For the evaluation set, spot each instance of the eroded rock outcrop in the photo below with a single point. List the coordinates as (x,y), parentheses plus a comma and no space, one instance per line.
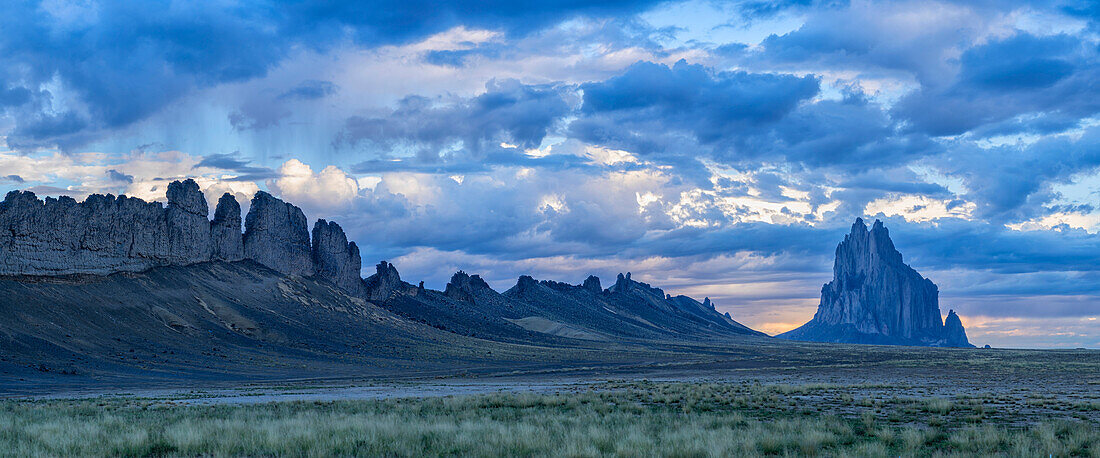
(103,234)
(277,236)
(463,287)
(187,224)
(622,283)
(954,334)
(334,259)
(525,283)
(108,234)
(875,298)
(385,282)
(592,284)
(225,230)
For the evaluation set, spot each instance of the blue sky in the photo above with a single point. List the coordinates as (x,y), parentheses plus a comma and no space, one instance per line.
(716,149)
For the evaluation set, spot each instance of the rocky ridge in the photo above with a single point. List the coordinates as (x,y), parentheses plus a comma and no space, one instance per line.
(876,298)
(108,234)
(105,234)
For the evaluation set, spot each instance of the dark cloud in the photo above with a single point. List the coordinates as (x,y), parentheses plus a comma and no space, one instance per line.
(883,181)
(853,133)
(123,61)
(64,128)
(233,162)
(457,58)
(653,109)
(503,157)
(10,97)
(854,39)
(985,246)
(1086,9)
(726,100)
(391,21)
(309,90)
(691,111)
(754,9)
(509,111)
(1049,79)
(115,175)
(1013,182)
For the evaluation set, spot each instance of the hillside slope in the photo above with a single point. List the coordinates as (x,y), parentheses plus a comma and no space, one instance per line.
(216,321)
(553,313)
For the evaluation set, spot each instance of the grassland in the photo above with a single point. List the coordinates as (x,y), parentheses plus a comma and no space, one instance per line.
(637,418)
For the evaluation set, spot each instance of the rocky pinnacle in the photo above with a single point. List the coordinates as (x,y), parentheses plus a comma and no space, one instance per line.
(874,297)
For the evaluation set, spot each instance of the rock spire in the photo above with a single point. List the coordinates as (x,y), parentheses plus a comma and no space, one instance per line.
(276,235)
(874,297)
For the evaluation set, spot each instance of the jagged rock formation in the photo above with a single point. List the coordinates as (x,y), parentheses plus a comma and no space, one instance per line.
(277,236)
(225,230)
(592,284)
(188,228)
(108,234)
(678,313)
(385,283)
(334,258)
(876,298)
(464,287)
(954,334)
(546,311)
(103,234)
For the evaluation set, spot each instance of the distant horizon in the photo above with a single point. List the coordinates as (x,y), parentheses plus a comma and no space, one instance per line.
(716,150)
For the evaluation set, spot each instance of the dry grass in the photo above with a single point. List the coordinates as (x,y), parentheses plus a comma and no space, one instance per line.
(621,419)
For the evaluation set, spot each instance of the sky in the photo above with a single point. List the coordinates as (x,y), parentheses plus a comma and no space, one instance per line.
(714,149)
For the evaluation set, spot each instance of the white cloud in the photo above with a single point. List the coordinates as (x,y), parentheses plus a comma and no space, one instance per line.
(918,208)
(1090,222)
(331,188)
(144,175)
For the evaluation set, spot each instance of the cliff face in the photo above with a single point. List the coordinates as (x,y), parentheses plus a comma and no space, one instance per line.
(108,234)
(188,229)
(336,259)
(103,234)
(225,230)
(874,297)
(276,235)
